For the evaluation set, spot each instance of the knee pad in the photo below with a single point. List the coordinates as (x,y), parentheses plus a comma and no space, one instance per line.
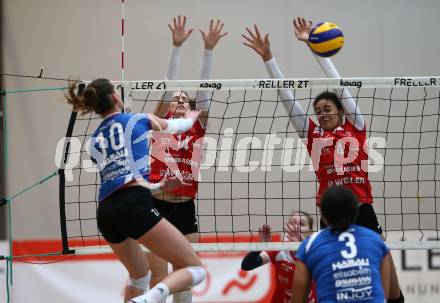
(142,283)
(198,274)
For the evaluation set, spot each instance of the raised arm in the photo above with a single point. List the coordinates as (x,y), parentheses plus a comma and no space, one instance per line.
(262,47)
(210,39)
(302,29)
(179,34)
(174,126)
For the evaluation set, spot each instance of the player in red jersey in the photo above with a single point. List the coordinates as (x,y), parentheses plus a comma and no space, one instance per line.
(337,148)
(336,143)
(175,159)
(298,227)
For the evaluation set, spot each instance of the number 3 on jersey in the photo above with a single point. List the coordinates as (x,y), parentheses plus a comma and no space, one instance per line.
(349,240)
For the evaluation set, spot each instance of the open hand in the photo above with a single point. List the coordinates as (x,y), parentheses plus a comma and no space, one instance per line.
(214,34)
(264,233)
(258,43)
(293,232)
(302,29)
(180,34)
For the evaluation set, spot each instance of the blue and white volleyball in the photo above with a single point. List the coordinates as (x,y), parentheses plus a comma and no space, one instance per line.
(326,39)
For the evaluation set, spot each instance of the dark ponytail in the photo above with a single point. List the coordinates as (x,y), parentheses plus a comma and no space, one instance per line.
(342,225)
(339,207)
(96,97)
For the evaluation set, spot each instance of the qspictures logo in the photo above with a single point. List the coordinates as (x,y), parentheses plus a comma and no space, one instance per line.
(224,152)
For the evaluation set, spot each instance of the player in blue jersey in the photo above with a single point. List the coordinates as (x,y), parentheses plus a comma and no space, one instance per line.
(348,262)
(126,215)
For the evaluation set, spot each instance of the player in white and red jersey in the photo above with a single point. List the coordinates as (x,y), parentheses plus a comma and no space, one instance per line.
(336,142)
(299,227)
(175,159)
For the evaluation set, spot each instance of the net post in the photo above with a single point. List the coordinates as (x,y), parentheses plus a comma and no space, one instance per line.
(3,159)
(62,179)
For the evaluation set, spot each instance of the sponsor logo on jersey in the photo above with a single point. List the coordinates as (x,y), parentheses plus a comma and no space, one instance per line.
(358,281)
(353,294)
(358,262)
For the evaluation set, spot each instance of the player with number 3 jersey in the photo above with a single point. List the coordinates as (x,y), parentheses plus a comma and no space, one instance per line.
(348,262)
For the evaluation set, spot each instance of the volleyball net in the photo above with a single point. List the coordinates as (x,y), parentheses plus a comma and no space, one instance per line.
(255,169)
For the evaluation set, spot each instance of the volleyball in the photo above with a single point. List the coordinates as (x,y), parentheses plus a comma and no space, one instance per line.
(326,39)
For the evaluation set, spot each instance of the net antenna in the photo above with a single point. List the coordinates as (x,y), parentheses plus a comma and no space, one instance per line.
(127,109)
(255,169)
